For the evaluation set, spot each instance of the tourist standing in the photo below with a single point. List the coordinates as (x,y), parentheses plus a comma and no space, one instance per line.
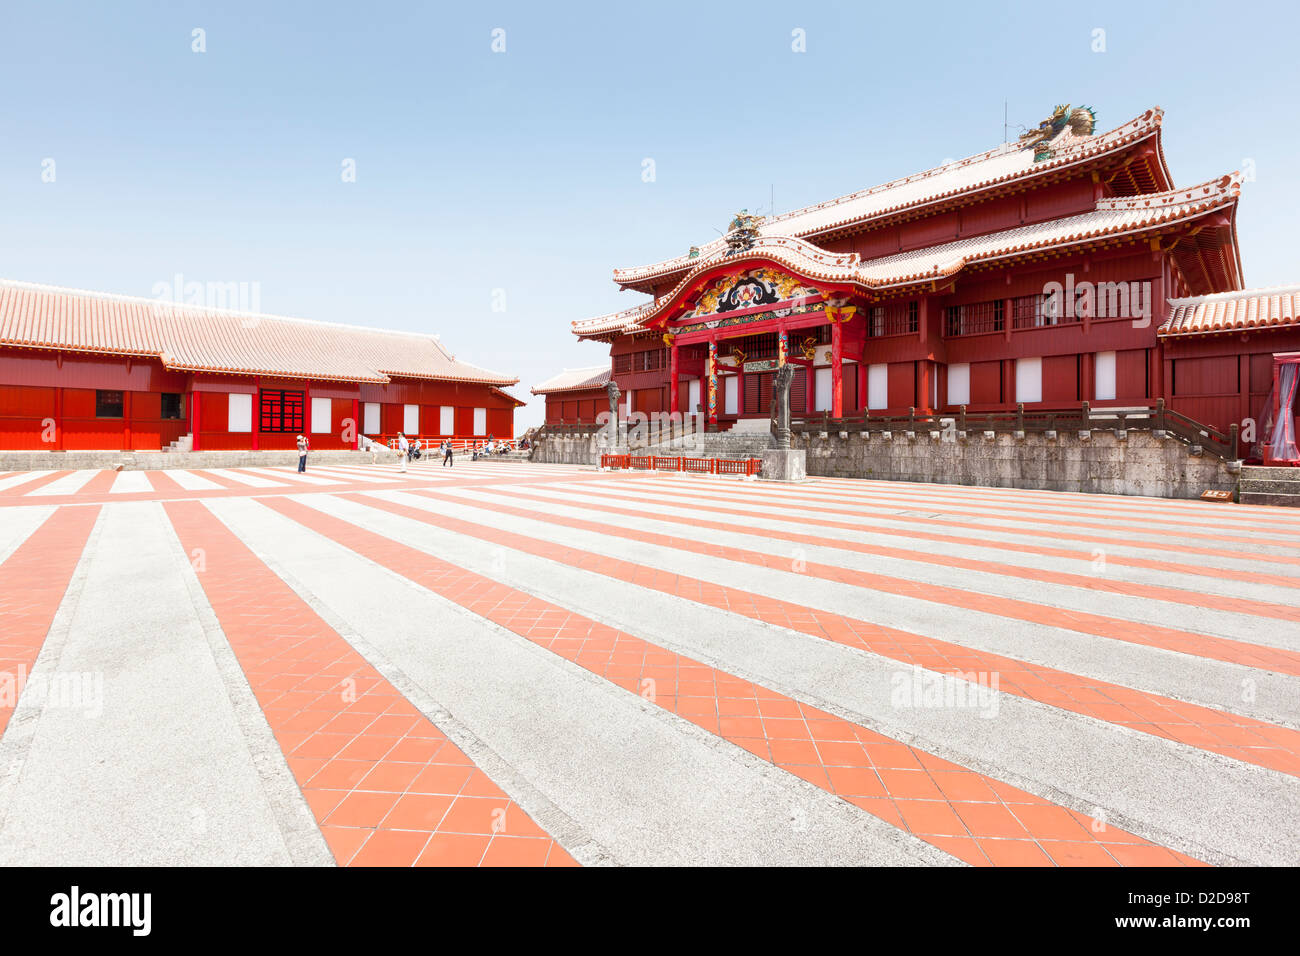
(303,445)
(446,454)
(404,447)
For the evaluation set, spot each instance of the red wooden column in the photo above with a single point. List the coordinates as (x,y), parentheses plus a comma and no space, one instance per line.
(257,413)
(126,419)
(837,369)
(810,388)
(195,405)
(711,371)
(924,388)
(58,419)
(673,408)
(356,424)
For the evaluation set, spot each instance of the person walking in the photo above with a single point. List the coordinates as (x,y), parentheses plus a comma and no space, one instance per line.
(404,447)
(303,445)
(446,455)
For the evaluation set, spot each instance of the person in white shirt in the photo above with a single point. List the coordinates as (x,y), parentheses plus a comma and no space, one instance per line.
(404,447)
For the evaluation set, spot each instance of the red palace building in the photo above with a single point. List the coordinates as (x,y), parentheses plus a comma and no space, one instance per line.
(88,370)
(1063,268)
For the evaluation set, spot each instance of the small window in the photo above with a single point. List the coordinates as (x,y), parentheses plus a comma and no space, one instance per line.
(108,404)
(171,405)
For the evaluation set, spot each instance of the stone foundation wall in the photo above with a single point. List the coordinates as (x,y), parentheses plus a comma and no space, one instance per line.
(1105,462)
(566,450)
(154,460)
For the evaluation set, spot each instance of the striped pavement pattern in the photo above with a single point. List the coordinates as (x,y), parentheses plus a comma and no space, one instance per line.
(516,664)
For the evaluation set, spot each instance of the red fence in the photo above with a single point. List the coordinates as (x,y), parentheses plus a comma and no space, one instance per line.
(697,466)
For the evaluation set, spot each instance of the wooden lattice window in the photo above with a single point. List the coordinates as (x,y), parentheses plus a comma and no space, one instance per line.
(974,318)
(280,411)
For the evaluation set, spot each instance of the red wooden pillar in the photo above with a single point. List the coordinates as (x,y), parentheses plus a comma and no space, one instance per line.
(673,408)
(306,410)
(1243,394)
(1154,369)
(924,390)
(126,420)
(356,424)
(257,413)
(837,370)
(711,371)
(195,405)
(58,419)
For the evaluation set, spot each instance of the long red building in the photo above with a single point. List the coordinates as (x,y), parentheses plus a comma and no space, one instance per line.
(89,370)
(1063,268)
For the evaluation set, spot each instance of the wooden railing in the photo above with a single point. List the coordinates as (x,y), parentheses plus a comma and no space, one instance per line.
(1081,418)
(697,466)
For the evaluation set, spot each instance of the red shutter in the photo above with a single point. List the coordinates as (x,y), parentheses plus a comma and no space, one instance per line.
(752,387)
(799,392)
(849,388)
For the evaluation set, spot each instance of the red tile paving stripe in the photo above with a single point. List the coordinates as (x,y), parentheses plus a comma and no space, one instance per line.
(1241,738)
(1155,592)
(1149,635)
(386,786)
(222,480)
(165,484)
(716,493)
(708,506)
(97,486)
(96,491)
(1048,519)
(976,818)
(33,581)
(31,484)
(1084,505)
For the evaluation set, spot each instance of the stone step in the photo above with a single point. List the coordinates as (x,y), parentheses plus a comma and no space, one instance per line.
(1271,472)
(1269,486)
(1264,498)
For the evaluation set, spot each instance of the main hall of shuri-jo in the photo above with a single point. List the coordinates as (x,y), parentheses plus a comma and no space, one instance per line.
(1063,268)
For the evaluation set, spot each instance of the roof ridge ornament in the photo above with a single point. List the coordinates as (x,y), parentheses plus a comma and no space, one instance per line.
(742,233)
(1081,122)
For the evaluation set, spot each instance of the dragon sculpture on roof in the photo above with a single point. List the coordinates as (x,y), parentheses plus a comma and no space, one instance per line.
(743,232)
(1082,121)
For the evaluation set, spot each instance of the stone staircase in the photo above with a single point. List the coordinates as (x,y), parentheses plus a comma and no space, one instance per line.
(510,456)
(182,444)
(747,438)
(1269,486)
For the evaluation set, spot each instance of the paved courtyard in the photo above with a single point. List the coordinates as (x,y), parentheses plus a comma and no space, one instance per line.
(544,665)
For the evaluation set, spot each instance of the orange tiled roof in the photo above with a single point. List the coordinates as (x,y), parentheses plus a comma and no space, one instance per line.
(198,339)
(1271,308)
(573,379)
(1111,217)
(1002,164)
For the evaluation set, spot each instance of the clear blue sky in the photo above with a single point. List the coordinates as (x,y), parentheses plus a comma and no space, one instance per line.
(522,170)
